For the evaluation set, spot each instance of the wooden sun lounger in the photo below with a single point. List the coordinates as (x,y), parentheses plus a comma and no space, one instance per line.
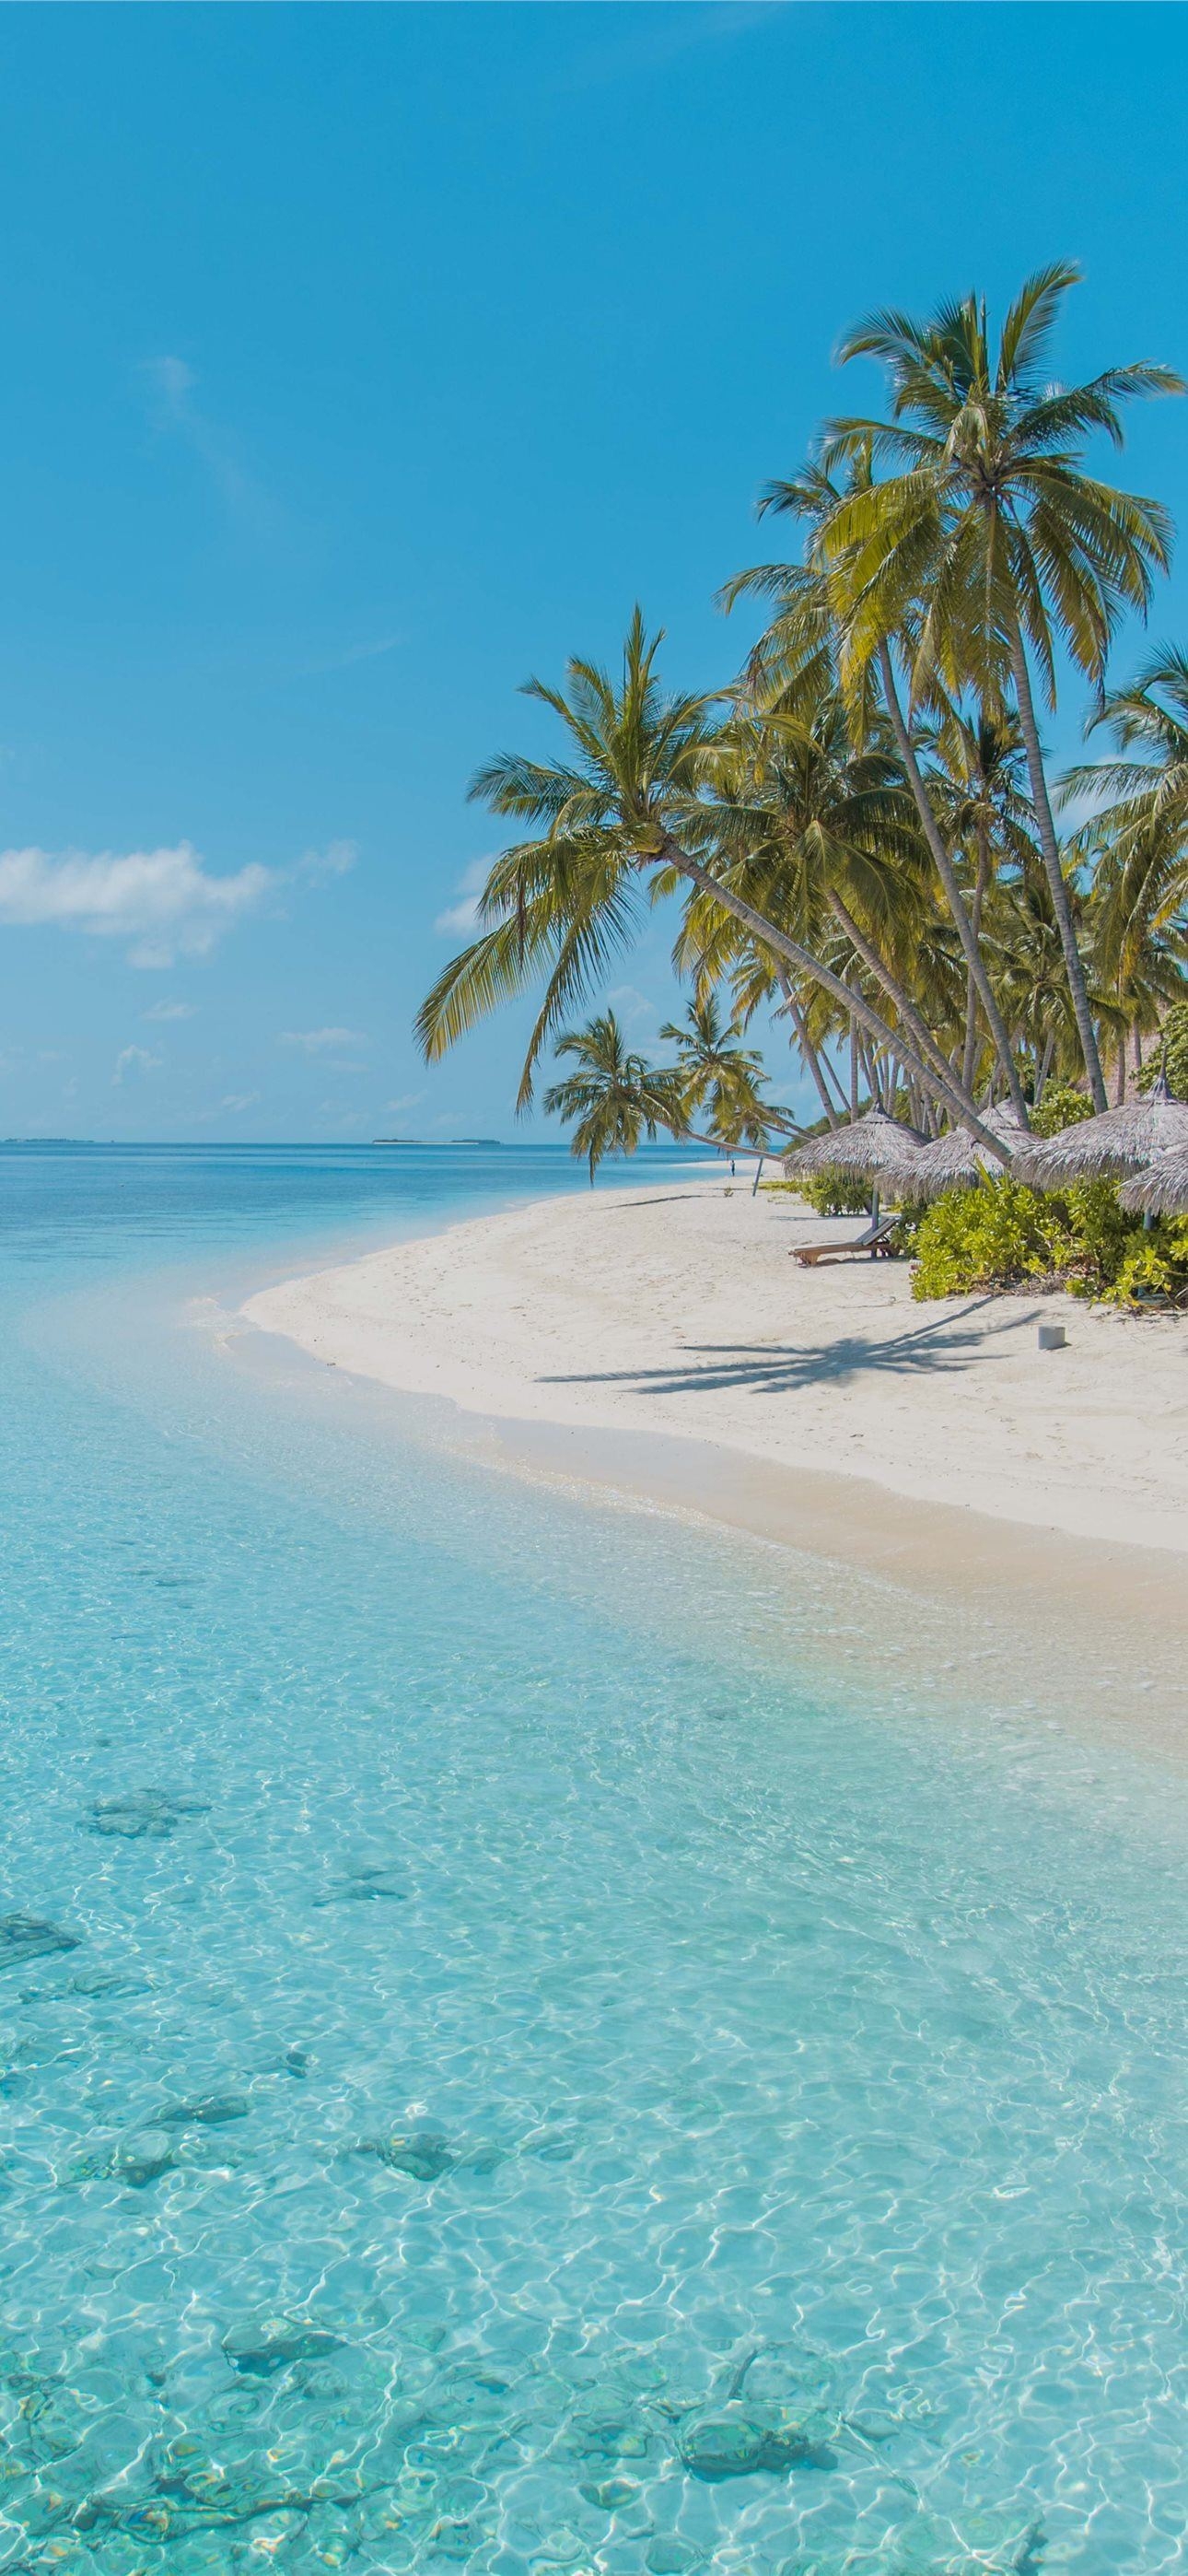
(875,1241)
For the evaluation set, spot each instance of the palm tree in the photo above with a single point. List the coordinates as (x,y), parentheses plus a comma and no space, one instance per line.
(813,832)
(973,783)
(1137,846)
(716,1074)
(805,633)
(615,1097)
(988,542)
(625,803)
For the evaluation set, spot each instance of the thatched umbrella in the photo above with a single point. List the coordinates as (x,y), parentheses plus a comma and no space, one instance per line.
(875,1148)
(1109,1146)
(958,1162)
(1162,1190)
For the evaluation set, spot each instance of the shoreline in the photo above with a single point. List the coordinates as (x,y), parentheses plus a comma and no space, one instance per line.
(1096,1622)
(678,1311)
(452,1316)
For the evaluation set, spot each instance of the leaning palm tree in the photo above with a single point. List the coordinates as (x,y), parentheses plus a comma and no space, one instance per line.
(988,546)
(625,802)
(615,1097)
(790,658)
(1136,841)
(813,832)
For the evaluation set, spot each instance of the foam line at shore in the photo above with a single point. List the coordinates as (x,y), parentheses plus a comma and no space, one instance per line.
(676,1310)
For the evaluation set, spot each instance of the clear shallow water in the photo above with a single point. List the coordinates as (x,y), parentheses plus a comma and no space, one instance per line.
(543,2027)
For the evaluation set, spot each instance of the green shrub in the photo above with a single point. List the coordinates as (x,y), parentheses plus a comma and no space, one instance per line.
(834,1193)
(1061,1106)
(1154,1265)
(1002,1233)
(989,1237)
(1175,1049)
(1099,1236)
(831,1193)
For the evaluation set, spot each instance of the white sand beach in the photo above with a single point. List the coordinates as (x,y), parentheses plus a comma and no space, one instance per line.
(676,1309)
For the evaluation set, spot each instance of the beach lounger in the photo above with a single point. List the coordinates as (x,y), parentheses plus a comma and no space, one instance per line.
(876,1241)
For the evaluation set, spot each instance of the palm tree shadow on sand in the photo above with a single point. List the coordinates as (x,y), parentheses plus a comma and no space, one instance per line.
(932,1349)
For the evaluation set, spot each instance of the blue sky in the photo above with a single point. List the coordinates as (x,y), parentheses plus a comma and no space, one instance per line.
(360,361)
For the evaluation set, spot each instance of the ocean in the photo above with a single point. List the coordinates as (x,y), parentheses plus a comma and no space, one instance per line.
(535,2036)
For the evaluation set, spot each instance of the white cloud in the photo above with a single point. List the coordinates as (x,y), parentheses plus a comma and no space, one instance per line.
(239,1100)
(319,1041)
(632,1007)
(174,382)
(165,900)
(353,653)
(333,1111)
(133,1059)
(174,385)
(320,867)
(460,919)
(407,1100)
(169,1011)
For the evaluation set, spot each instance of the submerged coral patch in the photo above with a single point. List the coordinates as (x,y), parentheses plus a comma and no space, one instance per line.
(262,2344)
(29,1936)
(137,1815)
(211,2111)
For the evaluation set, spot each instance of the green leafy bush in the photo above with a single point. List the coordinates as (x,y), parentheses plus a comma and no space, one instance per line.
(1061,1106)
(1175,1050)
(834,1193)
(831,1193)
(1154,1266)
(1001,1234)
(990,1237)
(1099,1236)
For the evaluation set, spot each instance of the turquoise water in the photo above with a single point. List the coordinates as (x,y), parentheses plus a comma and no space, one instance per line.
(562,2063)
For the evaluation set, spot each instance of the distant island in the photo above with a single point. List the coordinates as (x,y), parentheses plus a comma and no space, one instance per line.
(433,1142)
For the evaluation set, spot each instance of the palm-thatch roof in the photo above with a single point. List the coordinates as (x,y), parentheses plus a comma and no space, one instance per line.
(957,1161)
(1162,1190)
(1108,1146)
(875,1147)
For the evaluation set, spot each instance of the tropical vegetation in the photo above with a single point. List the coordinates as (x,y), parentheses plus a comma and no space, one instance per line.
(862,832)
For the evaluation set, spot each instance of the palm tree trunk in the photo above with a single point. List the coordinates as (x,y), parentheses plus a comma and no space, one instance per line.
(853,1066)
(670,854)
(1045,1066)
(1050,853)
(809,1055)
(868,1060)
(953,895)
(970,1057)
(926,1045)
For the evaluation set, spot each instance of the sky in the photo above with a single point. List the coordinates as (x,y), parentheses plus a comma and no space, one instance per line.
(360,362)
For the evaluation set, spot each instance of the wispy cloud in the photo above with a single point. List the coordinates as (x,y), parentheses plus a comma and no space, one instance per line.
(320,867)
(335,1115)
(459,919)
(134,1059)
(320,1041)
(351,654)
(633,1008)
(407,1100)
(170,1011)
(176,410)
(166,901)
(654,38)
(238,1101)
